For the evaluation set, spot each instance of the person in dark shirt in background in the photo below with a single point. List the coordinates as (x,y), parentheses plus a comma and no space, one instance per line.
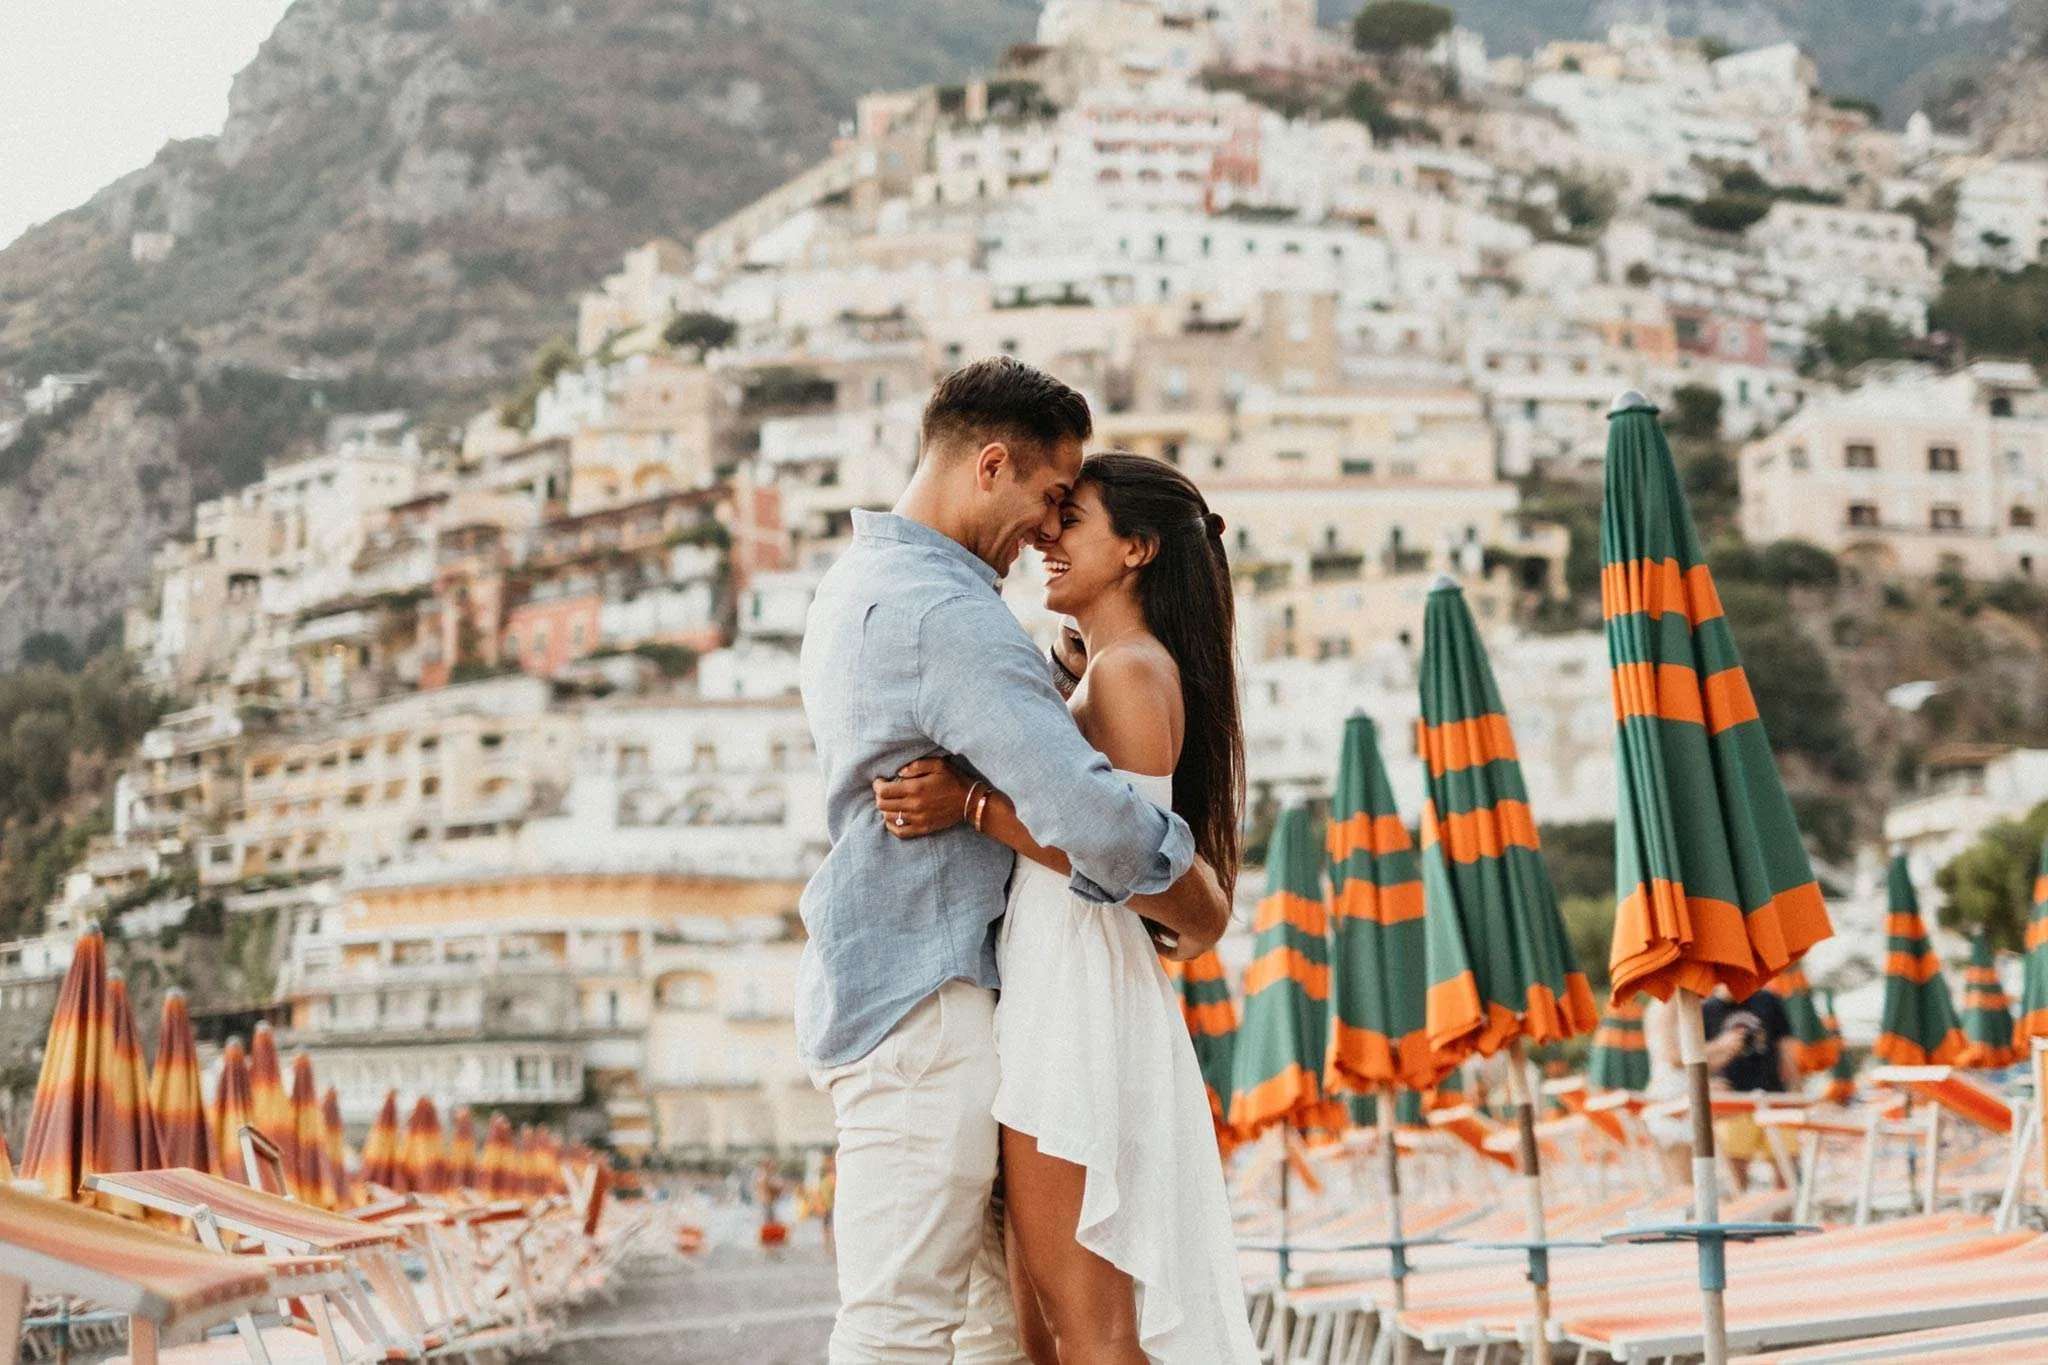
(1749,1047)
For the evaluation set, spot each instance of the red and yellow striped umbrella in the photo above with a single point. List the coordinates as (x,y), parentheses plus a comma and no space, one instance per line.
(231,1111)
(382,1145)
(546,1171)
(184,1137)
(1715,888)
(1500,966)
(1987,1013)
(134,1126)
(462,1150)
(1620,1059)
(1277,1071)
(60,1148)
(1919,1024)
(2033,1020)
(1815,1048)
(1379,1038)
(496,1168)
(6,1161)
(270,1105)
(423,1163)
(305,1164)
(347,1188)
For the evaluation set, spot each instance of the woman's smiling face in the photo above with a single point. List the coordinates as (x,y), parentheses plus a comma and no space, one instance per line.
(1089,558)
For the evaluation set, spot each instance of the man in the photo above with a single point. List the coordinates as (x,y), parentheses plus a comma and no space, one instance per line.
(1750,1047)
(909,652)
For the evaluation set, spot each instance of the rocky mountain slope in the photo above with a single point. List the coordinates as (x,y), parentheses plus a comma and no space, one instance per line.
(405,198)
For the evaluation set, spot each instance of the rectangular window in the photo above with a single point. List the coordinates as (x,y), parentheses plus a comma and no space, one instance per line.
(2022,517)
(1945,518)
(1863,514)
(1858,456)
(1943,460)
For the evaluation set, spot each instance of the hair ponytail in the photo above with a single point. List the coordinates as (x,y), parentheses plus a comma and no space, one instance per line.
(1184,591)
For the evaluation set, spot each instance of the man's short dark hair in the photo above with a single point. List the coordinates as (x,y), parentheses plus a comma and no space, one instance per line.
(1001,399)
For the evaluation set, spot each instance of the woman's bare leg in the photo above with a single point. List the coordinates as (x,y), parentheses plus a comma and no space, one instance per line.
(1089,1304)
(1032,1332)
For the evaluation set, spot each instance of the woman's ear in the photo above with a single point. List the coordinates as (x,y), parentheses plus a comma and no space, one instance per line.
(1140,551)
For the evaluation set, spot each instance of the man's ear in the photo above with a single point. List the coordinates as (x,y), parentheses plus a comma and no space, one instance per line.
(990,461)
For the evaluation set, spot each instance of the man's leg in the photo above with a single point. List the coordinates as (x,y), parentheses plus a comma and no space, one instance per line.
(990,1335)
(917,1154)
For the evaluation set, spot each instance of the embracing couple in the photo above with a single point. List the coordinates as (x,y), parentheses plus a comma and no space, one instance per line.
(982,977)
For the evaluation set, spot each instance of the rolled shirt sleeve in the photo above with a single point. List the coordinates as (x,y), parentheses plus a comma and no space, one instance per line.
(984,694)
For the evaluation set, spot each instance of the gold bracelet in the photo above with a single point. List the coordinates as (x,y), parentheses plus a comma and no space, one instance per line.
(967,802)
(981,807)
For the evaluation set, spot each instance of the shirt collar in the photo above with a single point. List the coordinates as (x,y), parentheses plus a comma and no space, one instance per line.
(871,526)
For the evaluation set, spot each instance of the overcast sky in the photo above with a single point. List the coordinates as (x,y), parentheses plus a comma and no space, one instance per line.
(89,89)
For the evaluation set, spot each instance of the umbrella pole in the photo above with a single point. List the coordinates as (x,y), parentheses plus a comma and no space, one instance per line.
(1398,1252)
(1706,1180)
(1286,1158)
(1532,1192)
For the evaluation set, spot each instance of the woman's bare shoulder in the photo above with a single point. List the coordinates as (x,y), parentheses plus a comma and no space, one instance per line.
(1131,709)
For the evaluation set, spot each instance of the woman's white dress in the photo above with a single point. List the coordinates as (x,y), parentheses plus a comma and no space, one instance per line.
(1098,1067)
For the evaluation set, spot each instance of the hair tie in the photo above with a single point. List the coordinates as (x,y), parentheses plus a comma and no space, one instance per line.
(1210,522)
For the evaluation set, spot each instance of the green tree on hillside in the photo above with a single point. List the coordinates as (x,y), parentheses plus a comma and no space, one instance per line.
(1990,884)
(700,332)
(1388,28)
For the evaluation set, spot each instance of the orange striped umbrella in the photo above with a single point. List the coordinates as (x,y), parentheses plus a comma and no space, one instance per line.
(1815,1048)
(381,1145)
(1205,1003)
(494,1172)
(345,1187)
(423,1165)
(59,1148)
(231,1110)
(1987,1013)
(306,1159)
(1919,1026)
(183,1137)
(270,1106)
(462,1151)
(127,1134)
(6,1161)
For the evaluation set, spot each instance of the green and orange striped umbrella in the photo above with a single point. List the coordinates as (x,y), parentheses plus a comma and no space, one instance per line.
(496,1172)
(270,1104)
(1620,1059)
(59,1149)
(462,1150)
(1841,1086)
(306,1159)
(423,1160)
(1212,1023)
(347,1190)
(1378,1038)
(1714,884)
(382,1144)
(184,1137)
(1277,1073)
(1987,1013)
(2033,1020)
(1815,1048)
(231,1111)
(1499,964)
(1919,1024)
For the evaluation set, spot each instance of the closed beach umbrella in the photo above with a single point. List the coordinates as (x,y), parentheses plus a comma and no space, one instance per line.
(1620,1059)
(1841,1085)
(1987,1013)
(130,1141)
(6,1160)
(184,1138)
(1500,967)
(523,1149)
(1277,1073)
(231,1111)
(381,1145)
(462,1150)
(495,1168)
(59,1149)
(345,1189)
(1919,1026)
(1815,1048)
(1212,1023)
(423,1164)
(270,1104)
(1713,886)
(306,1161)
(2033,1020)
(1379,1045)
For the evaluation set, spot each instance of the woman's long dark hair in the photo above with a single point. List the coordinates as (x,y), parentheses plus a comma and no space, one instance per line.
(1184,591)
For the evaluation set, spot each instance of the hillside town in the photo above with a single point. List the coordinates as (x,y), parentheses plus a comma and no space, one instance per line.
(495,732)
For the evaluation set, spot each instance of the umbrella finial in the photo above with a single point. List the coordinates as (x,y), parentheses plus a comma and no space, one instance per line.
(1443,582)
(1630,400)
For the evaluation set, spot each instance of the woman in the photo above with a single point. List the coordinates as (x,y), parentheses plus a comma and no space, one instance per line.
(1119,1232)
